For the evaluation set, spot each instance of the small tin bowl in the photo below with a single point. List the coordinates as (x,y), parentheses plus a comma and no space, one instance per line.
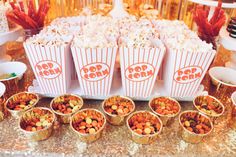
(166,119)
(116,119)
(200,102)
(18,113)
(2,101)
(13,83)
(87,113)
(62,117)
(144,139)
(189,136)
(30,116)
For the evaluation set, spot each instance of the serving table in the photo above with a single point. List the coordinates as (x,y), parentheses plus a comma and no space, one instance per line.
(115,140)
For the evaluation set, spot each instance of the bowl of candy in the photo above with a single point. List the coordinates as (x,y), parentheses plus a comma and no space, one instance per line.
(2,100)
(209,106)
(117,108)
(21,102)
(166,108)
(88,124)
(66,105)
(144,127)
(10,74)
(194,126)
(37,123)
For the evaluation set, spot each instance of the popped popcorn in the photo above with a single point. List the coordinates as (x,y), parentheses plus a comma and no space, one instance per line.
(98,32)
(177,35)
(138,34)
(3,19)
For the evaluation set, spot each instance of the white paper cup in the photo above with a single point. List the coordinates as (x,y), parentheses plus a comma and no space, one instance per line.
(2,100)
(2,89)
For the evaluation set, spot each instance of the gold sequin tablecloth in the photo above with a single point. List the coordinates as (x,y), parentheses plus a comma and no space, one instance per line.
(115,140)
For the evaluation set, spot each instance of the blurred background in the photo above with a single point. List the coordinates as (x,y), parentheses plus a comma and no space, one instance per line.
(166,9)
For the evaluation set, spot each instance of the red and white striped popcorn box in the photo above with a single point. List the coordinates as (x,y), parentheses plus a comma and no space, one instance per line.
(184,71)
(95,67)
(52,66)
(139,69)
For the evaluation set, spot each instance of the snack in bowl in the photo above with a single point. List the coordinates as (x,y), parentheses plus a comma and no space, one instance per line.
(20,102)
(65,105)
(144,127)
(194,126)
(209,106)
(37,123)
(88,124)
(116,108)
(166,108)
(7,76)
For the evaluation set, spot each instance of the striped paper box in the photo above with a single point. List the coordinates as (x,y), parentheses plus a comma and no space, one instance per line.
(52,66)
(95,67)
(139,69)
(184,71)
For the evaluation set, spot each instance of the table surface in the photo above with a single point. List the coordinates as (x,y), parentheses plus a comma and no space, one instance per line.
(115,140)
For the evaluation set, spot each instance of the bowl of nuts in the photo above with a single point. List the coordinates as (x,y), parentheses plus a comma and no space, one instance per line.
(21,102)
(209,106)
(37,123)
(88,124)
(166,108)
(66,105)
(117,108)
(2,100)
(194,126)
(144,127)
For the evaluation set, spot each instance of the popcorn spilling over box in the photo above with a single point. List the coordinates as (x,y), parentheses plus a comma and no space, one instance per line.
(94,51)
(3,19)
(141,54)
(187,60)
(51,61)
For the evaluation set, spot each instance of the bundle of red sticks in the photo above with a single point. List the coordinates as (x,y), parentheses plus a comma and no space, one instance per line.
(31,19)
(209,29)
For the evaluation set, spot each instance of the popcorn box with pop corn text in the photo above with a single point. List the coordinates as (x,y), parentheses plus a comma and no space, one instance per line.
(52,66)
(139,69)
(184,71)
(95,67)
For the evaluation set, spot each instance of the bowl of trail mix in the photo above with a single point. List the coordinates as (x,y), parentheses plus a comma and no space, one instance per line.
(144,127)
(19,103)
(117,108)
(88,124)
(66,105)
(37,123)
(166,108)
(194,126)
